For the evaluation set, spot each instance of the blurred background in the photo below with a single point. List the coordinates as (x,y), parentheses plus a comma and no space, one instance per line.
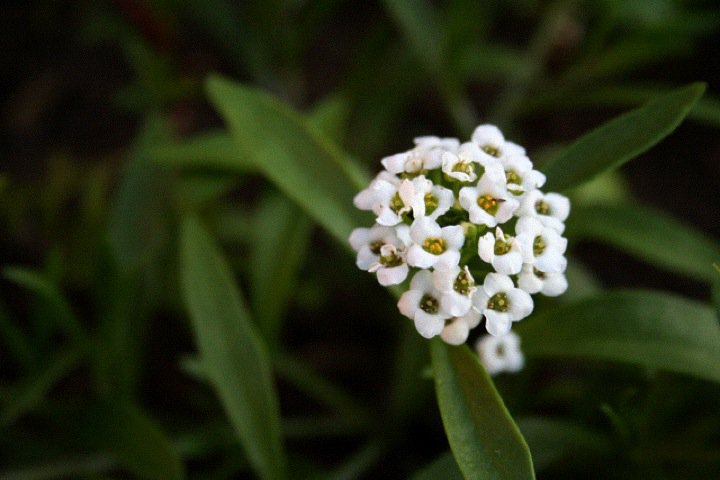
(97,95)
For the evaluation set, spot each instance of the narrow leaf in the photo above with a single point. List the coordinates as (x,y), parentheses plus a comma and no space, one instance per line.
(650,235)
(280,241)
(484,439)
(627,136)
(37,283)
(233,355)
(214,150)
(292,154)
(650,329)
(137,442)
(422,30)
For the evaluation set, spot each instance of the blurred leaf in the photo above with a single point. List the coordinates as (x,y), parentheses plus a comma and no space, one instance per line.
(443,467)
(211,150)
(35,387)
(232,353)
(138,443)
(14,341)
(330,116)
(551,440)
(422,29)
(37,283)
(648,234)
(609,187)
(582,282)
(281,237)
(138,215)
(619,140)
(292,154)
(650,329)
(489,63)
(484,439)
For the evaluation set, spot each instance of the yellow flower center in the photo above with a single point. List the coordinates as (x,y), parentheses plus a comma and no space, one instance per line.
(434,245)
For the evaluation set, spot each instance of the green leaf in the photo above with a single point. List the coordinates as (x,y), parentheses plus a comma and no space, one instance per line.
(37,283)
(648,234)
(14,341)
(292,154)
(484,439)
(650,329)
(212,150)
(137,442)
(443,467)
(233,355)
(138,214)
(619,140)
(35,387)
(281,237)
(423,31)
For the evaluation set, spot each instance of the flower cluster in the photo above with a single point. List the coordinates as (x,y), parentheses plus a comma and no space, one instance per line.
(471,227)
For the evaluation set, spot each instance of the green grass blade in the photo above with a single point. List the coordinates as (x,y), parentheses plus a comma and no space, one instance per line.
(621,139)
(233,355)
(215,150)
(422,29)
(484,439)
(41,286)
(292,154)
(650,235)
(138,444)
(656,330)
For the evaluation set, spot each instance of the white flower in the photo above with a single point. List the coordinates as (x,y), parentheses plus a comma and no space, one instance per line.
(501,251)
(542,246)
(433,148)
(434,246)
(551,209)
(492,143)
(533,280)
(457,329)
(489,202)
(457,286)
(367,199)
(422,305)
(519,174)
(500,353)
(430,200)
(402,162)
(381,250)
(462,166)
(501,303)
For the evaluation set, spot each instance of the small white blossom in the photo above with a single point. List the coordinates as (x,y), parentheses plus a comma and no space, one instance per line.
(520,175)
(550,208)
(434,246)
(432,149)
(462,166)
(542,246)
(533,281)
(431,200)
(381,250)
(501,303)
(422,305)
(501,251)
(457,329)
(457,286)
(489,202)
(500,353)
(492,143)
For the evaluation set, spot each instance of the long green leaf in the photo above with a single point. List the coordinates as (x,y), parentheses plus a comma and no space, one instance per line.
(422,29)
(37,283)
(281,237)
(292,154)
(211,150)
(233,355)
(621,139)
(484,439)
(651,329)
(650,235)
(137,442)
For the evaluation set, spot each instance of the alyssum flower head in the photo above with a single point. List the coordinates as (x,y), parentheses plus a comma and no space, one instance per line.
(469,226)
